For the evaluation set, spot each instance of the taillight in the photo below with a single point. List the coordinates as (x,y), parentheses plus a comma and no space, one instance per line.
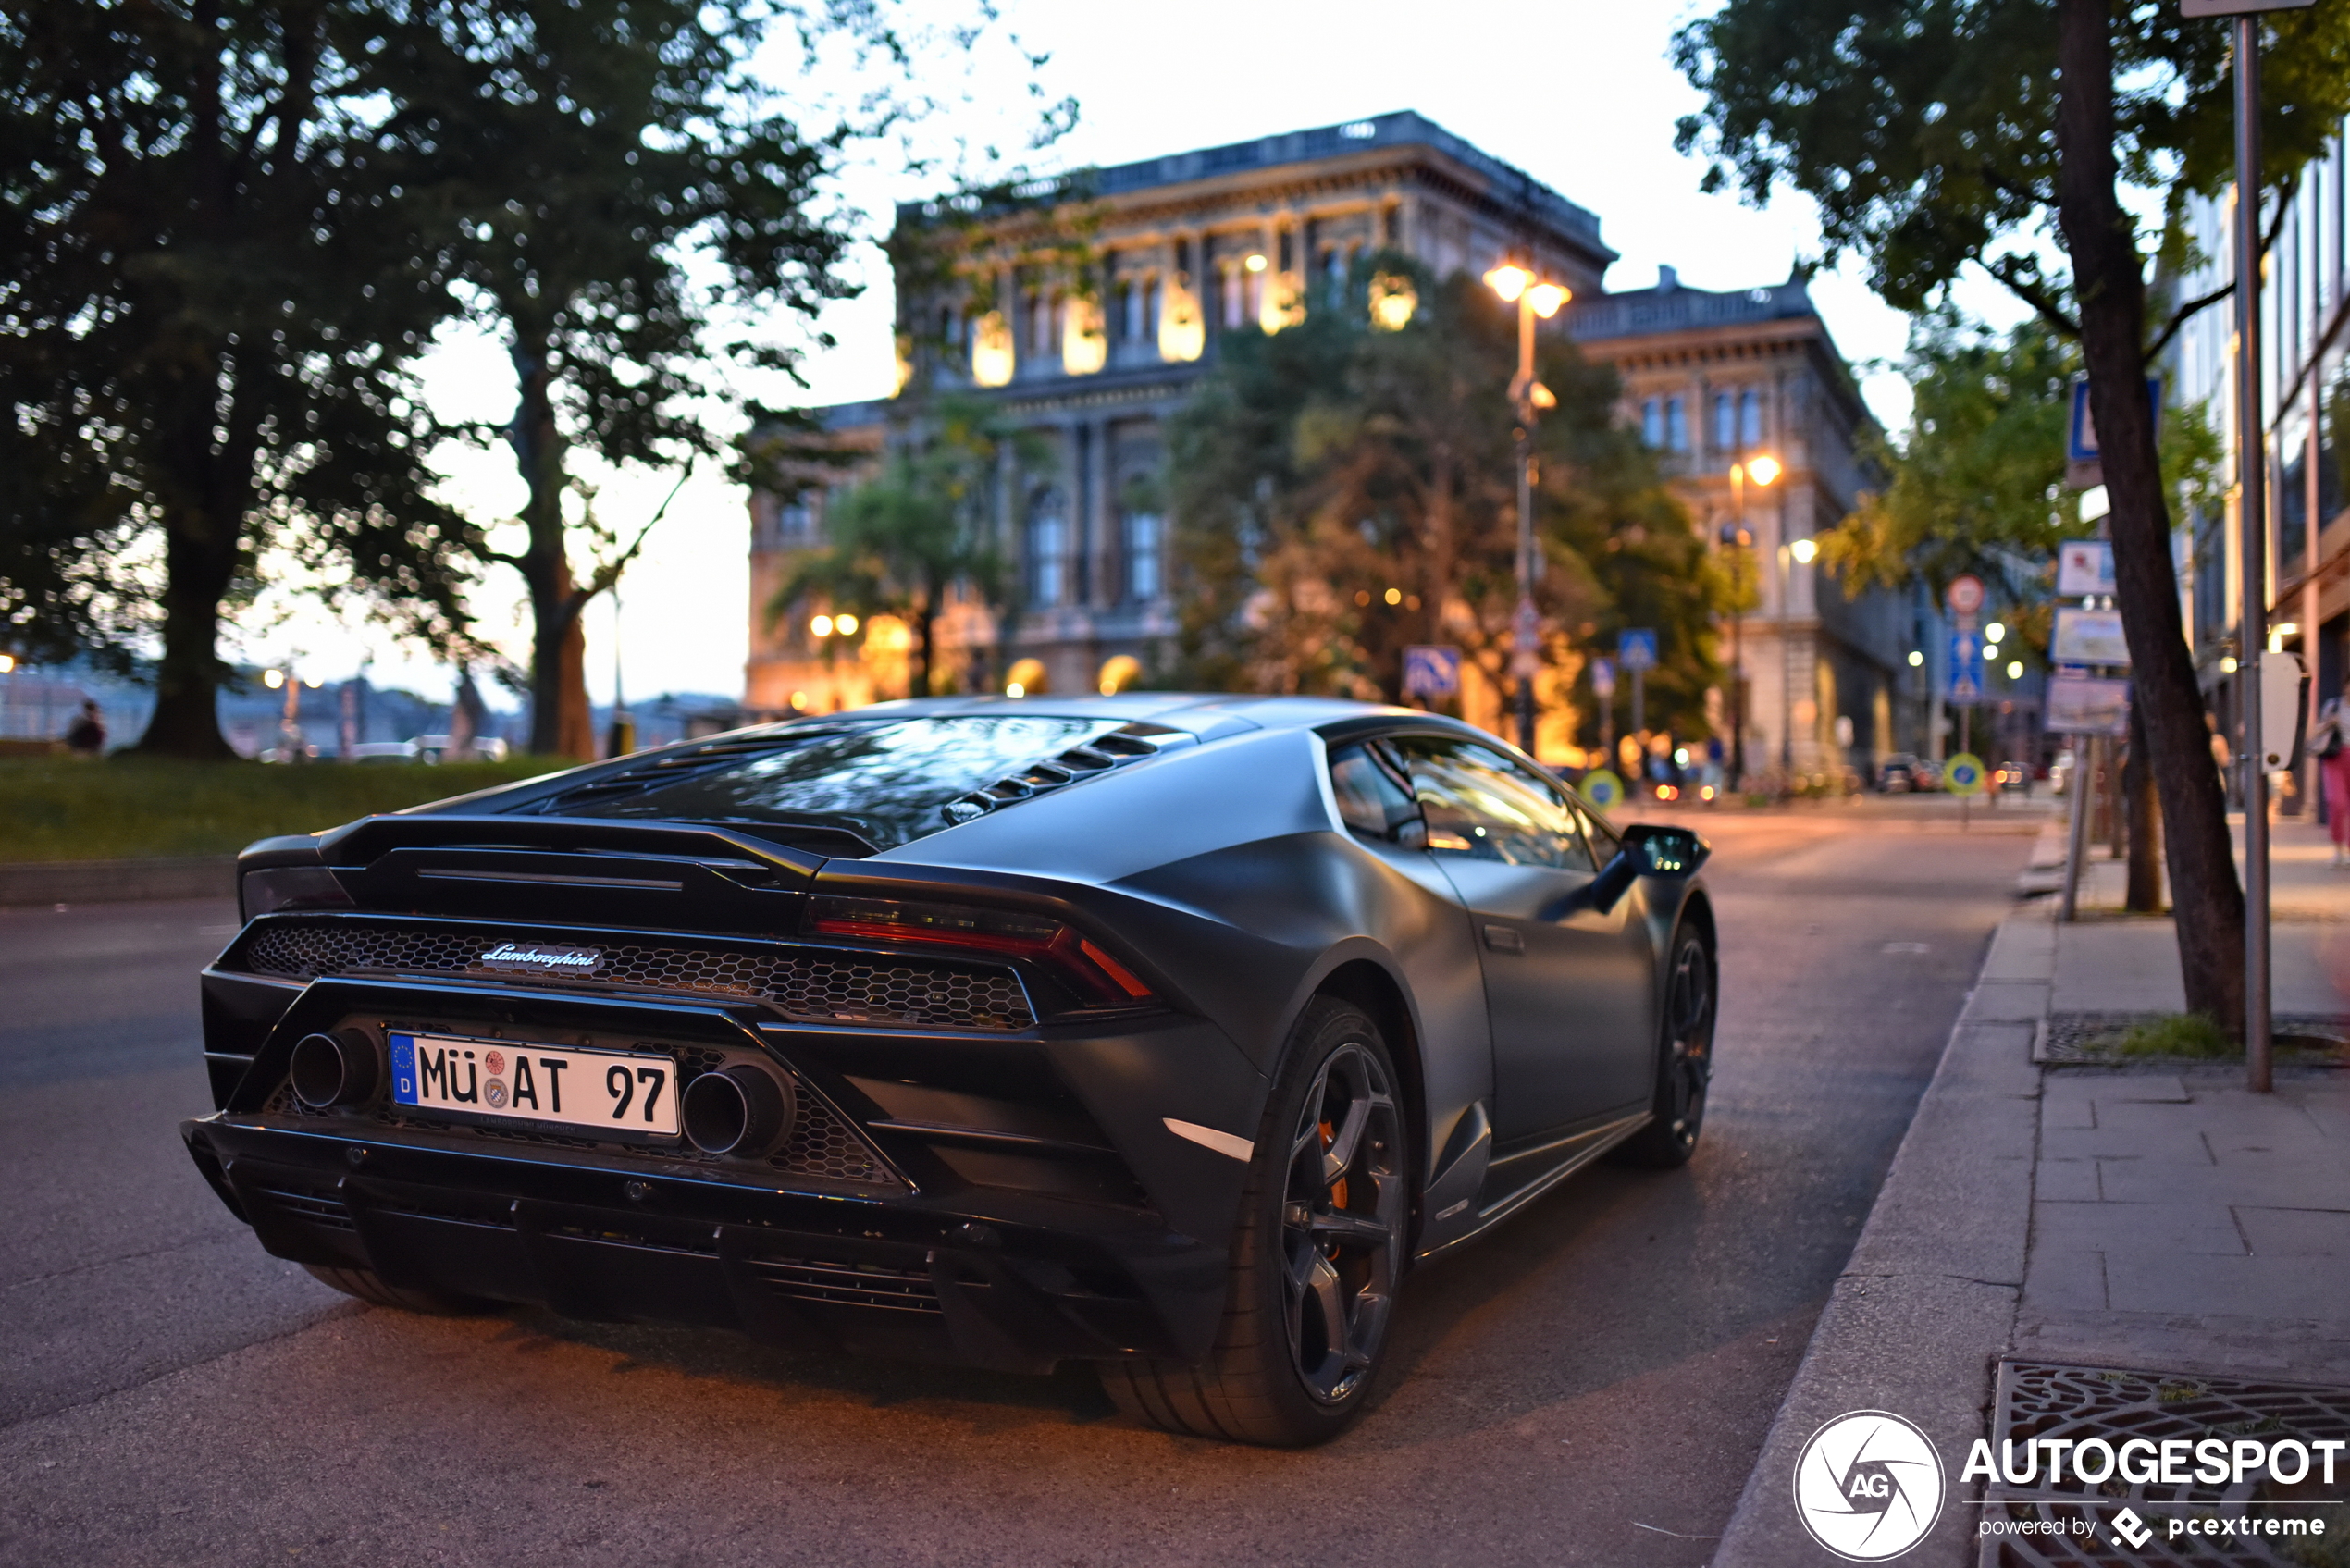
(1092,972)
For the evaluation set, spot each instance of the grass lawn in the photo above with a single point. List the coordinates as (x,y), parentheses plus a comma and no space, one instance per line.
(59,808)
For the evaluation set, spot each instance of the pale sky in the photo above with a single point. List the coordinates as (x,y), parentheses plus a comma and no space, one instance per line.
(1580,95)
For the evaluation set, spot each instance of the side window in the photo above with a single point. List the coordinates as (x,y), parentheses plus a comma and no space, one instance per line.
(1603,842)
(1373,798)
(1481,804)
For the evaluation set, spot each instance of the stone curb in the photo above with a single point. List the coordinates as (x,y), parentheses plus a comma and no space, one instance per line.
(1927,1304)
(115,881)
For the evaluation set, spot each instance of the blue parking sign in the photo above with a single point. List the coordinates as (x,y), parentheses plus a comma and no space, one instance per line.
(1431,671)
(1966,667)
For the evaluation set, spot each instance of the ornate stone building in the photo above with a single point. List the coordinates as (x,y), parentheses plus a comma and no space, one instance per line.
(1188,246)
(1716,379)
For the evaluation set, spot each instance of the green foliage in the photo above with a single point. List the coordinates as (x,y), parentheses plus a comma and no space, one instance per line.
(1318,469)
(207,299)
(1926,132)
(129,806)
(1976,486)
(899,544)
(2177,1034)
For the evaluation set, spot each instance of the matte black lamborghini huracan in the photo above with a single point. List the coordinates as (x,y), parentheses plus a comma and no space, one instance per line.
(1158,1032)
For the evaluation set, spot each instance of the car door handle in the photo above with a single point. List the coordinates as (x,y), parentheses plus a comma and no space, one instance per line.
(1504,939)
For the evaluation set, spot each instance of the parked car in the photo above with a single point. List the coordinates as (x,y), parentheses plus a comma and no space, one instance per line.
(2060,772)
(2013,778)
(1897,774)
(1160,1032)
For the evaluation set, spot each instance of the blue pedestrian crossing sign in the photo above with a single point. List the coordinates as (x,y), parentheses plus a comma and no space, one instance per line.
(1602,789)
(1962,775)
(1635,649)
(1966,667)
(1431,671)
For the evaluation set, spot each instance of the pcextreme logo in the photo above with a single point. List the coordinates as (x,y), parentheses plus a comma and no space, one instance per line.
(1868,1486)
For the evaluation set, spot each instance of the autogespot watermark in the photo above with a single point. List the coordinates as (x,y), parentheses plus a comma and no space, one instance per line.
(1869,1485)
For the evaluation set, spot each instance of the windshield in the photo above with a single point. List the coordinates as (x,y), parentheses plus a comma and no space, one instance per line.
(884,781)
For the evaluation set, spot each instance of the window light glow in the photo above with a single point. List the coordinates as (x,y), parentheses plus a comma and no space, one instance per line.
(992,349)
(1393,302)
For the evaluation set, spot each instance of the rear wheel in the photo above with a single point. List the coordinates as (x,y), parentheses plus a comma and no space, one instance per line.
(1316,1257)
(1685,1065)
(368,1286)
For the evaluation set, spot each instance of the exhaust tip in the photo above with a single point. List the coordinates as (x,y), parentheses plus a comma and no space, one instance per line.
(333,1070)
(744,1110)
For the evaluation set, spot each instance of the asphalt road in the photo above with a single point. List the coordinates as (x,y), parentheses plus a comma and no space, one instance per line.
(1588,1386)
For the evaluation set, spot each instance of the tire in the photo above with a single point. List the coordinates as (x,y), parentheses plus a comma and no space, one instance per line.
(368,1286)
(1685,1061)
(1316,1254)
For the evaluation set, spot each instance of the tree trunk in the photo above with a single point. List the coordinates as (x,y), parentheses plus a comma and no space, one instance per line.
(560,723)
(199,560)
(2144,814)
(2108,282)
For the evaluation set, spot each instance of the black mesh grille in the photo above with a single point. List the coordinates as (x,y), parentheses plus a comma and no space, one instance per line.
(811,983)
(883,1286)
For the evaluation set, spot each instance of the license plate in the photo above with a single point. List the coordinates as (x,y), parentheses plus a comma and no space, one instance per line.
(621,1093)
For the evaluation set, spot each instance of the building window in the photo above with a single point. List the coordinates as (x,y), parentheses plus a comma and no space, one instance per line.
(1676,424)
(796,523)
(1133,310)
(1143,581)
(1750,418)
(1726,430)
(1235,302)
(1047,550)
(1653,423)
(1334,274)
(1042,318)
(1148,293)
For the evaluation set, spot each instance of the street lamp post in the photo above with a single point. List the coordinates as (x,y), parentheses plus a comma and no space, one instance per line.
(1528,397)
(1764,469)
(1798,552)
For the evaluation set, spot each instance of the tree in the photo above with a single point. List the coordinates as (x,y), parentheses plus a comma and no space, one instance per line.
(1976,486)
(608,178)
(900,543)
(206,306)
(1340,489)
(1935,136)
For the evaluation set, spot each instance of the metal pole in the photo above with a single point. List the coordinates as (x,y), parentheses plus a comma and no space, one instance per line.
(1745,544)
(1787,659)
(2252,517)
(1527,639)
(2076,842)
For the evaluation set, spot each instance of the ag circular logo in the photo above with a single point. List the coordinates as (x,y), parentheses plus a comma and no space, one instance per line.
(1868,1486)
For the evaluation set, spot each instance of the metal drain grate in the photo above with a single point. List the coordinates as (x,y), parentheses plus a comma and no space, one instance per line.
(2044,1401)
(2088,1039)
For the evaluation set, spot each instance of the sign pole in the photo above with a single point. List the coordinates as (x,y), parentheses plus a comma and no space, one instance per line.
(2252,514)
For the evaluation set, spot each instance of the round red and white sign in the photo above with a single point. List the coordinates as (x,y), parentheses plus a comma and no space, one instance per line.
(1965,596)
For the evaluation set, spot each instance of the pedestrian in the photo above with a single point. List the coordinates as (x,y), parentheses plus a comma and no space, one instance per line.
(2332,748)
(86,737)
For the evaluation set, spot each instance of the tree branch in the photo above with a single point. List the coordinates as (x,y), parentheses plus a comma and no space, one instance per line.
(2033,294)
(609,573)
(2179,318)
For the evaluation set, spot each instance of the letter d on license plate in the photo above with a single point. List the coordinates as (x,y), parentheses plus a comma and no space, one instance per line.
(621,1094)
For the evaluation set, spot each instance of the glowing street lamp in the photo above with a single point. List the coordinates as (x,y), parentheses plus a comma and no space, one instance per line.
(1518,286)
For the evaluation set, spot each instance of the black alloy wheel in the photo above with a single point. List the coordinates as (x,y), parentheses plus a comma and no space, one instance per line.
(1342,1223)
(1323,1236)
(1685,1065)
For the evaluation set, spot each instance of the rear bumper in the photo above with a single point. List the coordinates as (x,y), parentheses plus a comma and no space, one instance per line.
(1012,1281)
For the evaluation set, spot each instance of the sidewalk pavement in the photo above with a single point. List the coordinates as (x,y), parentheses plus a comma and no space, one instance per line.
(2160,1219)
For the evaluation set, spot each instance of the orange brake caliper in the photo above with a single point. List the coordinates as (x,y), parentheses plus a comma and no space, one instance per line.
(1338,1188)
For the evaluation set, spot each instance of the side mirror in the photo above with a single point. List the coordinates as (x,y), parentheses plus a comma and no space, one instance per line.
(1664,851)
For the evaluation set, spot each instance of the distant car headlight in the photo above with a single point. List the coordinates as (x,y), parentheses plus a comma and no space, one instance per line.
(290,887)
